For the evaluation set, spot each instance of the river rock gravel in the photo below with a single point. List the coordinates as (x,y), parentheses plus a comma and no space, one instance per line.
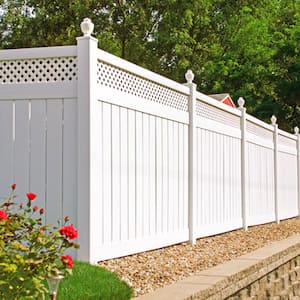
(150,270)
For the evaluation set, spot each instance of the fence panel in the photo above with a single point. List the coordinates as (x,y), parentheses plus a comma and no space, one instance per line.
(144,187)
(218,206)
(287,176)
(33,134)
(218,183)
(260,172)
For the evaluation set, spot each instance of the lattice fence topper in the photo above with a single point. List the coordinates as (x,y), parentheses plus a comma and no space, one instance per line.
(126,82)
(56,69)
(212,113)
(259,131)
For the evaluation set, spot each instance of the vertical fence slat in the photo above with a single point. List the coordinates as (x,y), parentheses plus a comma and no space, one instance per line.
(159,176)
(176,176)
(146,179)
(152,182)
(22,146)
(7,146)
(131,174)
(171,176)
(185,176)
(181,198)
(69,156)
(38,152)
(139,175)
(54,161)
(107,173)
(165,174)
(124,202)
(115,161)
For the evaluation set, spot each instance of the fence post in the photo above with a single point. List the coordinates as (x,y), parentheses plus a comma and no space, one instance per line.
(296,129)
(241,103)
(189,76)
(273,121)
(86,202)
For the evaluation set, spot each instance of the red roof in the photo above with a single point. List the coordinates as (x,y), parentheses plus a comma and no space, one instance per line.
(224,98)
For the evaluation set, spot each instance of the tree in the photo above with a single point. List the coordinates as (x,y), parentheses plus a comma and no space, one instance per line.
(244,47)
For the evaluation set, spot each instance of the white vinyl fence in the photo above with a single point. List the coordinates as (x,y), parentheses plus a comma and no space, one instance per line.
(136,160)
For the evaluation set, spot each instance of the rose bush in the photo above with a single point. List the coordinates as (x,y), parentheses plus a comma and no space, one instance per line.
(30,250)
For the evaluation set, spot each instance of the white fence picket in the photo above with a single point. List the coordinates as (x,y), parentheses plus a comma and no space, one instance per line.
(54,150)
(7,127)
(38,151)
(69,179)
(22,146)
(107,173)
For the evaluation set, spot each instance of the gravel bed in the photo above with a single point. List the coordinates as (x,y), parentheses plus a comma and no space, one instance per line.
(150,270)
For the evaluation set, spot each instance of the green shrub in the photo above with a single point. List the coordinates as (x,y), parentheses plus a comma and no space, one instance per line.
(30,250)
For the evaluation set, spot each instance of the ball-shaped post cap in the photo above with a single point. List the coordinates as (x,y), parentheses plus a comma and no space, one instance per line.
(189,76)
(87,27)
(273,120)
(296,130)
(241,102)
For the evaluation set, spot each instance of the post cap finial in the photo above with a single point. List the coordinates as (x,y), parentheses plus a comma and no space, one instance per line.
(273,120)
(296,130)
(189,76)
(241,102)
(87,27)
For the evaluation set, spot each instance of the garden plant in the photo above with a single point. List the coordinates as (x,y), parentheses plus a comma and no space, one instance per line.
(30,251)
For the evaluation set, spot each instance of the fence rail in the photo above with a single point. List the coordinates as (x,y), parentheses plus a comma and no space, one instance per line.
(137,160)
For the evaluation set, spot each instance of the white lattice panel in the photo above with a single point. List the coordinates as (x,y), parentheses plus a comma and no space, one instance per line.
(56,69)
(213,113)
(259,131)
(126,82)
(285,141)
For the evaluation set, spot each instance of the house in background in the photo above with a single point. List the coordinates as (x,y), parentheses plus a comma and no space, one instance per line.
(224,98)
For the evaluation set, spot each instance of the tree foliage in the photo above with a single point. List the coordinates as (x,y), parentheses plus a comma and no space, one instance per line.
(243,47)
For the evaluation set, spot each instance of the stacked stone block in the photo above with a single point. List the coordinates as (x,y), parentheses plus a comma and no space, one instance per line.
(283,283)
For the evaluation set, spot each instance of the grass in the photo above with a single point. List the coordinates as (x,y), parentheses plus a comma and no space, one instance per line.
(90,282)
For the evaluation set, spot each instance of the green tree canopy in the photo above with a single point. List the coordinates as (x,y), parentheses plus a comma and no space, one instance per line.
(242,47)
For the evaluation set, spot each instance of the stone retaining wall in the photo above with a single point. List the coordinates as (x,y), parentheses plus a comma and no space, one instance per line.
(269,273)
(282,283)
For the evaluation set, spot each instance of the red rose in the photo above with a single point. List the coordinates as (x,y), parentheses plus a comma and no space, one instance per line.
(67,260)
(31,196)
(42,211)
(3,215)
(35,208)
(69,231)
(13,186)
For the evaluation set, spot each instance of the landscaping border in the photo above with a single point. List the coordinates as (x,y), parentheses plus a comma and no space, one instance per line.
(266,273)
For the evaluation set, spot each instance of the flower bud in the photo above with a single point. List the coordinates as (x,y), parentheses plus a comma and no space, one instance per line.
(31,196)
(35,208)
(42,211)
(67,218)
(3,215)
(13,186)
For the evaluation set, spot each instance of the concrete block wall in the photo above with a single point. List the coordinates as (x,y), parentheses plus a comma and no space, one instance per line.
(280,284)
